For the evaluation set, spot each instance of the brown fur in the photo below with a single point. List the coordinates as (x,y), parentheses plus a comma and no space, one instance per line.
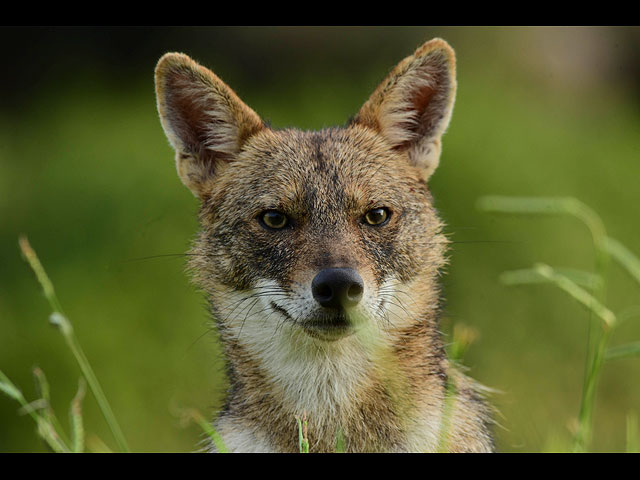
(382,385)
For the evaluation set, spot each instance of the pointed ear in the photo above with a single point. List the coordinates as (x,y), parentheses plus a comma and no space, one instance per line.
(204,120)
(411,108)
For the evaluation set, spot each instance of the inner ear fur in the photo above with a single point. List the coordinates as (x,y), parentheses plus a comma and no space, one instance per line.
(204,120)
(412,106)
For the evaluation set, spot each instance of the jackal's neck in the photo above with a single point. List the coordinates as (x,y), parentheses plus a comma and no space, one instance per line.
(355,388)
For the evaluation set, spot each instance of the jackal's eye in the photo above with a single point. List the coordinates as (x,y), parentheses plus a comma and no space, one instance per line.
(273,219)
(377,216)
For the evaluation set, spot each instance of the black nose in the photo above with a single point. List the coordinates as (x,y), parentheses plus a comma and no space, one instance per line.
(337,288)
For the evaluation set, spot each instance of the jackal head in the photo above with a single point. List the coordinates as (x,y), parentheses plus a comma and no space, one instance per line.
(314,235)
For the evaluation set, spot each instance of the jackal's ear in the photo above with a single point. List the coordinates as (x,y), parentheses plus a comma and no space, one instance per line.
(411,108)
(204,119)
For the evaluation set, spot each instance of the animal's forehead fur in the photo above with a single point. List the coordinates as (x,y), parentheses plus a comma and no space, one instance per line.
(351,168)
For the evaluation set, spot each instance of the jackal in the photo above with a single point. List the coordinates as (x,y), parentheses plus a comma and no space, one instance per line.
(320,254)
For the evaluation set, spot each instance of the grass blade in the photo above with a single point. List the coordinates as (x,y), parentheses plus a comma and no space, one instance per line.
(623,351)
(542,272)
(48,432)
(58,319)
(10,389)
(75,414)
(191,414)
(526,205)
(545,206)
(624,257)
(340,442)
(589,280)
(47,412)
(528,275)
(47,287)
(46,429)
(555,206)
(303,439)
(42,384)
(65,327)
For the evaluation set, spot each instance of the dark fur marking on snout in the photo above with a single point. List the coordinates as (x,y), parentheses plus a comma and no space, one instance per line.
(281,310)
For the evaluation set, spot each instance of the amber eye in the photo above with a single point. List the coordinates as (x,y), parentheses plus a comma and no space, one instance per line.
(377,216)
(274,219)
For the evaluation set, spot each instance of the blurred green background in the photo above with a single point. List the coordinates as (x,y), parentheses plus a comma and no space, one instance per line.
(87,174)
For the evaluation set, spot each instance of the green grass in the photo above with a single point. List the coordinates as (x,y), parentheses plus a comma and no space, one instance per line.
(58,319)
(603,321)
(49,428)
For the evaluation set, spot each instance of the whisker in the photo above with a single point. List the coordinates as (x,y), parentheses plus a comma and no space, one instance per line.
(151,257)
(200,337)
(457,242)
(247,316)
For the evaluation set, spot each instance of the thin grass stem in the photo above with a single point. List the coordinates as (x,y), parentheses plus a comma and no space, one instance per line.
(47,411)
(75,414)
(303,438)
(58,319)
